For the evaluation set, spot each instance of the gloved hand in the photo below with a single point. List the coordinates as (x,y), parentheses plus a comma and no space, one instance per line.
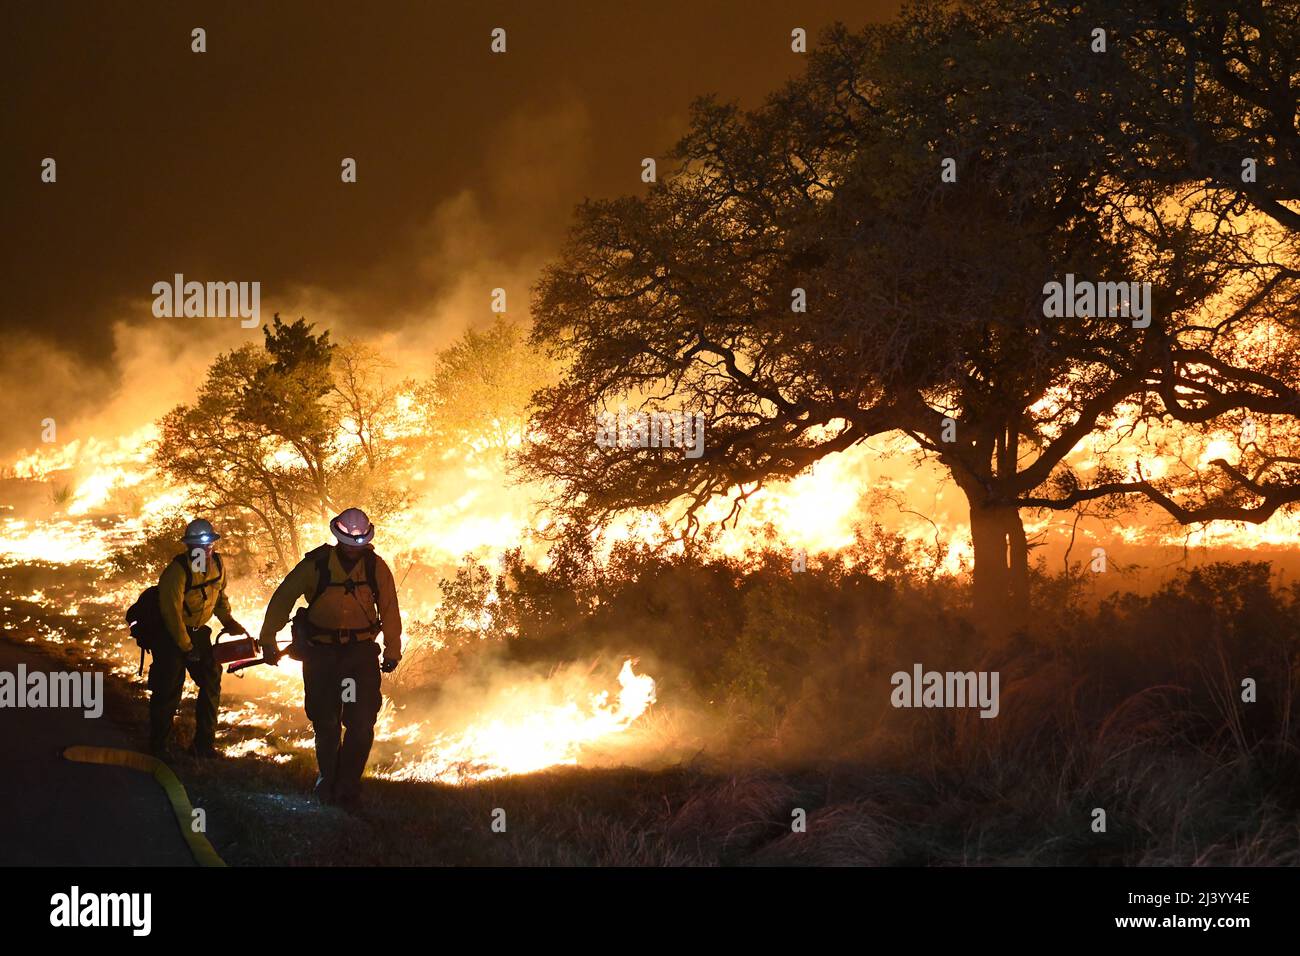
(236,628)
(192,655)
(388,666)
(271,653)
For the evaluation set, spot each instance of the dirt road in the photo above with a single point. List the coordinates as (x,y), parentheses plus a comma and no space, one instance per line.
(57,813)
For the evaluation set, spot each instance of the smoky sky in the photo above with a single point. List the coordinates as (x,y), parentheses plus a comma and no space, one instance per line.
(225,165)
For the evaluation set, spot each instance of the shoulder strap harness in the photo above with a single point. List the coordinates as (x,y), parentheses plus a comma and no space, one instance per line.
(216,582)
(349,584)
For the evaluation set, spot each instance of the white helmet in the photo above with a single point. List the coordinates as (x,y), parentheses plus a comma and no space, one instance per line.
(353,528)
(200,532)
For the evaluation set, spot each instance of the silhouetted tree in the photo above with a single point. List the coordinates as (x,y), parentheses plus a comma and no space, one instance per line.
(281,434)
(925,298)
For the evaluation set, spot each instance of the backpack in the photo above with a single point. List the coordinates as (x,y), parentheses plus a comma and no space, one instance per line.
(144,617)
(303,628)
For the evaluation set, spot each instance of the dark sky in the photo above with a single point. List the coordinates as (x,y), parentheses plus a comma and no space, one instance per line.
(225,165)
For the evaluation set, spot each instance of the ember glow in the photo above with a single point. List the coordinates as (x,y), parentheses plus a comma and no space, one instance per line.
(108,493)
(106,496)
(112,494)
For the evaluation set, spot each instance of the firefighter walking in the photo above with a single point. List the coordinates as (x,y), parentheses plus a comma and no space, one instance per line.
(351,598)
(191,590)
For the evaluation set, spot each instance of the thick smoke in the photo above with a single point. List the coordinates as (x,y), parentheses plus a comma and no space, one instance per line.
(436,282)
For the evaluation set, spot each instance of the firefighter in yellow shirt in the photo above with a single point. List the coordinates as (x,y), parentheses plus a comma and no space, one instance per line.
(351,598)
(191,590)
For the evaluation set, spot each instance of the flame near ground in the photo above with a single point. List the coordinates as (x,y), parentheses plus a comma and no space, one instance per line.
(524,722)
(526,730)
(524,725)
(520,722)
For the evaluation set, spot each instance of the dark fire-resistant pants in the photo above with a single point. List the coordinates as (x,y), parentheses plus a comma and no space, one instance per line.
(167,681)
(333,707)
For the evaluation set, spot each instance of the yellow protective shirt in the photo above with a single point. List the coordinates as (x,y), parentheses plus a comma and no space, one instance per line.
(181,609)
(337,608)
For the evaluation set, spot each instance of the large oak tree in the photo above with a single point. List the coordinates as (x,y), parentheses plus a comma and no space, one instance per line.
(925,305)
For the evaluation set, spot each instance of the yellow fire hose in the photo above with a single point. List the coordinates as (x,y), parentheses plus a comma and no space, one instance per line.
(204,854)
